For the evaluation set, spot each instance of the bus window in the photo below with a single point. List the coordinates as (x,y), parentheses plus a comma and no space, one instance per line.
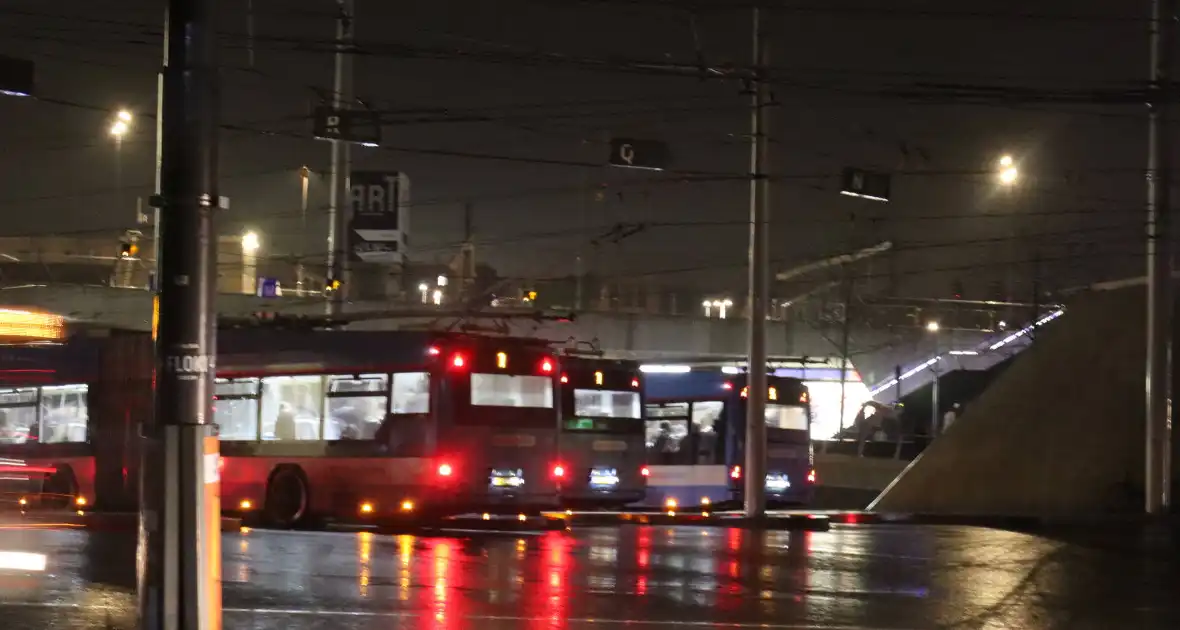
(411,393)
(792,418)
(706,423)
(235,409)
(356,406)
(64,415)
(291,407)
(506,390)
(18,416)
(598,403)
(666,430)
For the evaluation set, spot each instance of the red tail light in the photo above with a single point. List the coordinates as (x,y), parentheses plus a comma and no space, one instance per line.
(458,360)
(811,476)
(433,351)
(546,366)
(445,470)
(645,471)
(559,471)
(735,472)
(727,386)
(565,379)
(634,382)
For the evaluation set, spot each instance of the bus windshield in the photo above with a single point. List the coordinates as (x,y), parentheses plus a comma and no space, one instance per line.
(602,403)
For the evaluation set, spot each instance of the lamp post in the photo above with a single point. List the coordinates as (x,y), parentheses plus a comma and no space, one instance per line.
(933,327)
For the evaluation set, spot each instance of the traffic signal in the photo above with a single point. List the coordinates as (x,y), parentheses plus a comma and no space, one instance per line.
(331,285)
(128,250)
(532,296)
(957,289)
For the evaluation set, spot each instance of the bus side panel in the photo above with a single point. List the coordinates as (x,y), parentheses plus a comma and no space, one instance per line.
(337,485)
(120,402)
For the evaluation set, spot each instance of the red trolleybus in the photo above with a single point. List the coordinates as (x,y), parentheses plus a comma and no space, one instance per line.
(379,425)
(326,424)
(602,432)
(45,403)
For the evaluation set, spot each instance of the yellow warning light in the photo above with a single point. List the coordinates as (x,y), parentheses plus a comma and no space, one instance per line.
(31,325)
(705,501)
(407,506)
(501,360)
(155,316)
(598,378)
(245,505)
(532,296)
(366,508)
(520,517)
(80,501)
(671,504)
(773,393)
(23,501)
(486,516)
(803,397)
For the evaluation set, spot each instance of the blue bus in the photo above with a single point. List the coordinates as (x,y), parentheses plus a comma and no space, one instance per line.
(602,432)
(695,424)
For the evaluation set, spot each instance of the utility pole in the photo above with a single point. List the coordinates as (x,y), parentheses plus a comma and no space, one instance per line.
(300,270)
(755,484)
(338,178)
(844,337)
(180,512)
(1159,281)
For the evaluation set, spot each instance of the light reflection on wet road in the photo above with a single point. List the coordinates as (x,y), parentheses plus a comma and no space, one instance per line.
(854,578)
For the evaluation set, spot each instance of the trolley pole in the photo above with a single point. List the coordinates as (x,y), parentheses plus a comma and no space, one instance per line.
(338,177)
(1157,473)
(755,478)
(180,513)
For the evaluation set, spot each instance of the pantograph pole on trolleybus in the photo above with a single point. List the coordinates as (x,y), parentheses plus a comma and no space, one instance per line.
(179,577)
(755,477)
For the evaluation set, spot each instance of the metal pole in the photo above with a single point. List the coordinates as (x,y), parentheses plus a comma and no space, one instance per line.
(755,479)
(338,176)
(300,271)
(179,526)
(934,392)
(1159,286)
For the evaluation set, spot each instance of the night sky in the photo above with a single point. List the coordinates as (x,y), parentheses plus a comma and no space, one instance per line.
(846,75)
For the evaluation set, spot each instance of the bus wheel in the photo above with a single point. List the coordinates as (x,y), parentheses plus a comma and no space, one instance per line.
(286,498)
(59,489)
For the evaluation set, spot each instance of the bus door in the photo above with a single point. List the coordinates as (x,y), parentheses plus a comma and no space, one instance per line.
(498,446)
(602,436)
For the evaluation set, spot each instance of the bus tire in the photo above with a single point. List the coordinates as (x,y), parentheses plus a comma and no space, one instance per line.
(286,497)
(60,488)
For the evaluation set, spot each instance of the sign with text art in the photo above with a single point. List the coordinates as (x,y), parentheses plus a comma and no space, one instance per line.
(379,217)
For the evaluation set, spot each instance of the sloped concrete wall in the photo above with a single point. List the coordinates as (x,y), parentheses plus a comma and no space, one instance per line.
(1060,432)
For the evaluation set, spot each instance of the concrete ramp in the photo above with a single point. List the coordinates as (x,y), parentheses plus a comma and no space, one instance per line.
(1059,433)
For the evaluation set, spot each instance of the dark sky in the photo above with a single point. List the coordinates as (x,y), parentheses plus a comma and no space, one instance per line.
(836,71)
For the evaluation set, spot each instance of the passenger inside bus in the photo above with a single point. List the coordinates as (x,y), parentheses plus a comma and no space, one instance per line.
(285,423)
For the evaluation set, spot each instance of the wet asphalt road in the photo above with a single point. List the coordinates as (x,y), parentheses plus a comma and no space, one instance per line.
(644,578)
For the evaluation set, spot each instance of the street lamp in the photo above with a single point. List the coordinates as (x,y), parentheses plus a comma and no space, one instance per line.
(250,243)
(933,327)
(1008,173)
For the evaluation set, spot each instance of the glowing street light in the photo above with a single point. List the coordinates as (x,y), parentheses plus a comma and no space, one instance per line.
(121,124)
(932,326)
(250,242)
(1008,173)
